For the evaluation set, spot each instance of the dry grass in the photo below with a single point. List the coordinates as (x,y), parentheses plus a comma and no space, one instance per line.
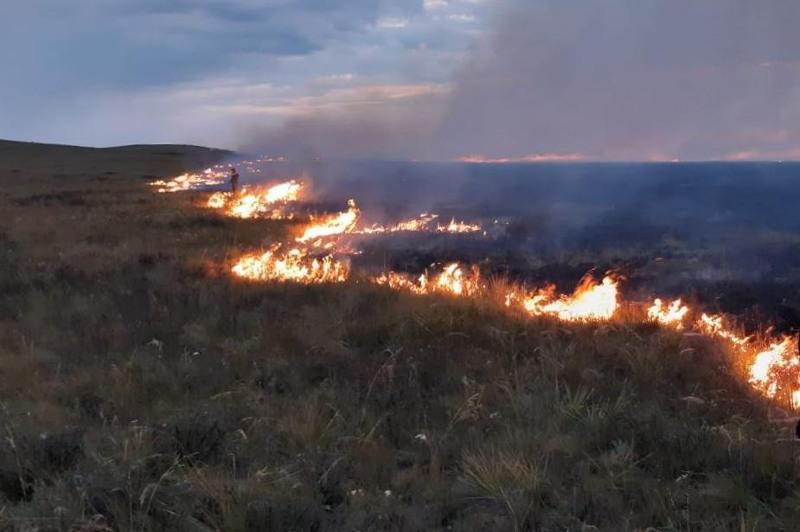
(144,389)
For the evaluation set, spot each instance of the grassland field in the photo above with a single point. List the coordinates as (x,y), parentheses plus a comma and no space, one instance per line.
(144,388)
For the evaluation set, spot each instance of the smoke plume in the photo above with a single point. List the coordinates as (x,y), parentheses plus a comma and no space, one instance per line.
(618,79)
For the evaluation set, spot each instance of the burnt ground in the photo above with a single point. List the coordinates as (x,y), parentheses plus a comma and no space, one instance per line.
(143,388)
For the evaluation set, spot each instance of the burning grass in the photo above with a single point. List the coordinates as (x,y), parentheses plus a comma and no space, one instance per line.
(453,279)
(590,301)
(191,181)
(293,265)
(334,225)
(268,202)
(422,224)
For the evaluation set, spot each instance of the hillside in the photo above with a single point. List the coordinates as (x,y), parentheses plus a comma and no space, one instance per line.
(144,388)
(21,157)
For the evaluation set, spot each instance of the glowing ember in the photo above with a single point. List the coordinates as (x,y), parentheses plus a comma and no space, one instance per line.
(590,301)
(332,225)
(257,202)
(209,177)
(294,265)
(671,314)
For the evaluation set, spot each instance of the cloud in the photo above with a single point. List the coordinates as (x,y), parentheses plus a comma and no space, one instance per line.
(66,64)
(392,23)
(434,4)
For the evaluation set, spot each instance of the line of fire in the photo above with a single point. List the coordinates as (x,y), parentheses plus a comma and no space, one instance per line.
(323,245)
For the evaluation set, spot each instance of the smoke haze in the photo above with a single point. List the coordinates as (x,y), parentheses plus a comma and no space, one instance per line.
(618,79)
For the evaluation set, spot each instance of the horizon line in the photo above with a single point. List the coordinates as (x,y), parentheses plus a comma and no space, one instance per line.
(544,159)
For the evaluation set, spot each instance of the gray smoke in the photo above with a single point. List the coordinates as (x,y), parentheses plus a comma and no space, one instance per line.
(628,79)
(611,79)
(381,131)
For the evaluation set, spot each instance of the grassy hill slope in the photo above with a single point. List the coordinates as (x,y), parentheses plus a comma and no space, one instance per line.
(22,157)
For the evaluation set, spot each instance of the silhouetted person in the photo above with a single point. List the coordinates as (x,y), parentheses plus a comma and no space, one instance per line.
(234,180)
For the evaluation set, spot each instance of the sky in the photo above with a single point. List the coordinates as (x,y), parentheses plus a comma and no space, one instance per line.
(497,80)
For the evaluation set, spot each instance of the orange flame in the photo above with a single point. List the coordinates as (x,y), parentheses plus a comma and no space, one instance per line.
(713,325)
(422,224)
(458,227)
(453,279)
(217,200)
(591,301)
(294,265)
(671,314)
(774,371)
(333,225)
(257,202)
(413,225)
(190,181)
(773,366)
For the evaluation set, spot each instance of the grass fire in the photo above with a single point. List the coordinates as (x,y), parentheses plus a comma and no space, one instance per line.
(774,366)
(428,265)
(293,351)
